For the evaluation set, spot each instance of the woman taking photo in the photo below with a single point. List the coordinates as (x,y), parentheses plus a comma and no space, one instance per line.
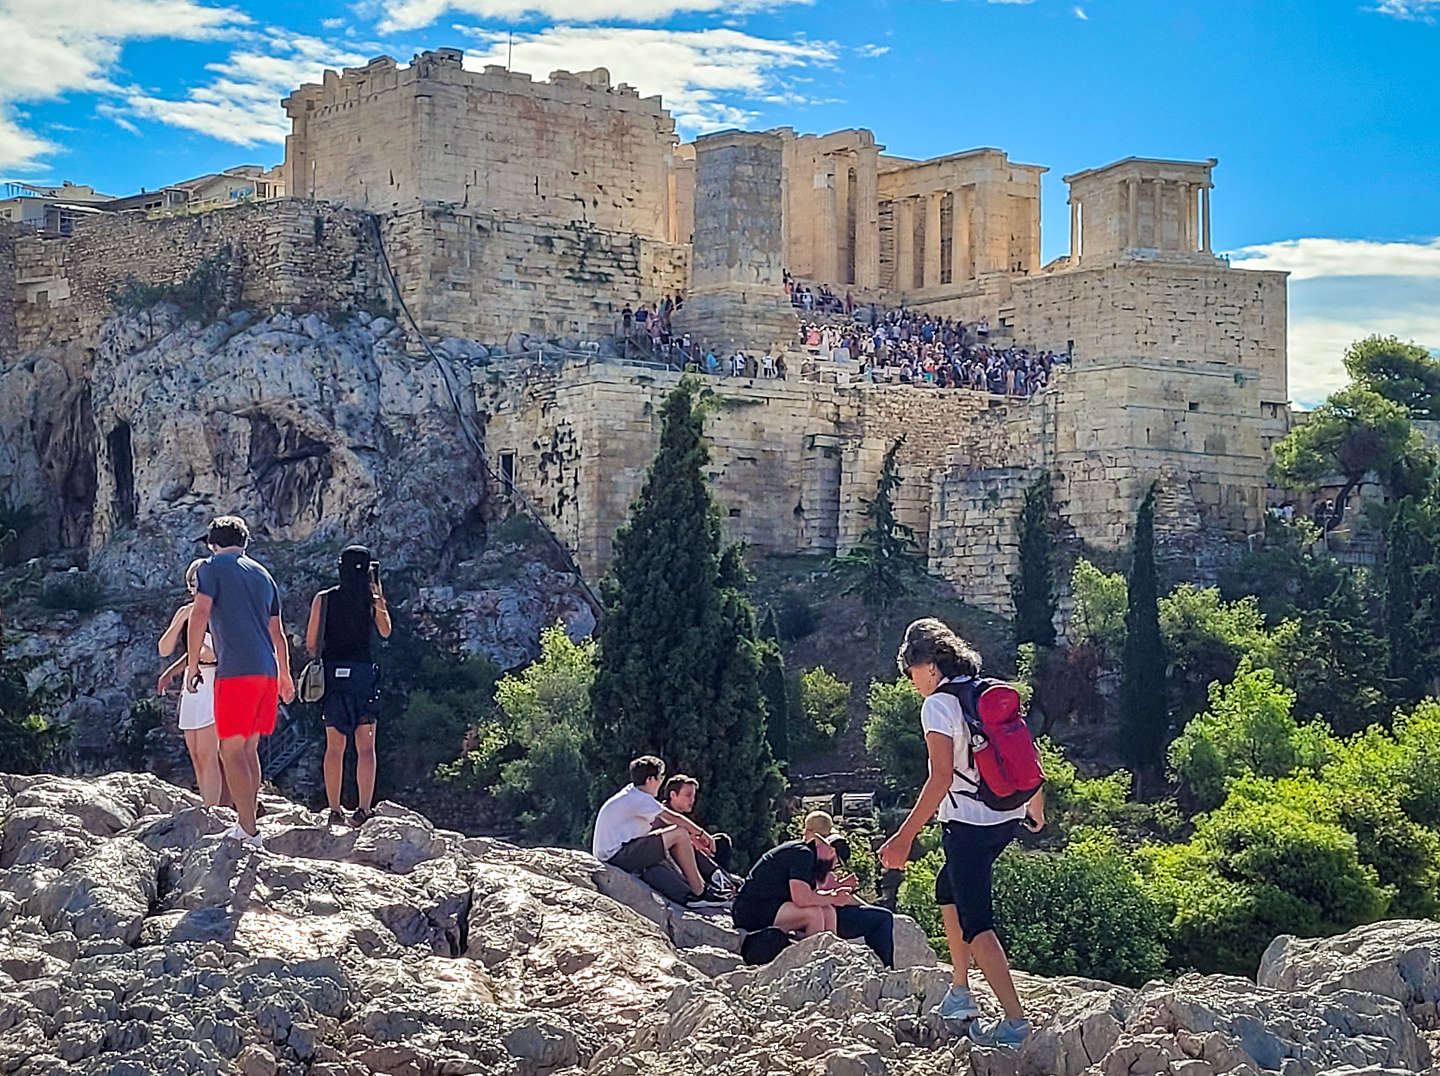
(343,619)
(197,708)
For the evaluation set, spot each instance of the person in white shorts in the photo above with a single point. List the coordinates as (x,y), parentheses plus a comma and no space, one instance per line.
(197,709)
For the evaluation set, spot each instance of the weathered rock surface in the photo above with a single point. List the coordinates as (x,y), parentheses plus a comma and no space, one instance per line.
(134,940)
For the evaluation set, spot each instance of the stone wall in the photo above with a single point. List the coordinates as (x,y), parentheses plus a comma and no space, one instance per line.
(284,253)
(573,148)
(737,298)
(482,276)
(1144,311)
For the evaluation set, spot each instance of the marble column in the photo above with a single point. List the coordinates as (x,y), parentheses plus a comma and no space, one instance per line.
(843,251)
(932,239)
(1205,218)
(961,261)
(867,219)
(1132,220)
(904,217)
(826,239)
(1074,227)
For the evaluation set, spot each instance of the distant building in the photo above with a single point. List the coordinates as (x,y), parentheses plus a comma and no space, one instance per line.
(246,182)
(48,209)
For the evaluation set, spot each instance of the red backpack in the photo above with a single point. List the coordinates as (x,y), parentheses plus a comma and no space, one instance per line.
(1002,750)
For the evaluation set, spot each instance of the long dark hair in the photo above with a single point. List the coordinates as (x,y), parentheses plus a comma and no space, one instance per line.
(352,600)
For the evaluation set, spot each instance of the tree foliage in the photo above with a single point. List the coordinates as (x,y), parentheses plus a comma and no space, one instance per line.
(679,666)
(1145,719)
(1206,638)
(1100,603)
(1249,728)
(774,688)
(893,737)
(824,705)
(1032,588)
(1412,594)
(886,561)
(550,790)
(1354,433)
(1405,374)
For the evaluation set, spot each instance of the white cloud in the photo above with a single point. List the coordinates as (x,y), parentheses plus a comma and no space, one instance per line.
(1318,344)
(56,48)
(704,76)
(1413,10)
(873,50)
(1079,13)
(241,104)
(1307,259)
(414,14)
(1342,290)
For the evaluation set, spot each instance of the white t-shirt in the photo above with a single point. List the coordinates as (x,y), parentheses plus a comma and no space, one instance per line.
(941,713)
(623,817)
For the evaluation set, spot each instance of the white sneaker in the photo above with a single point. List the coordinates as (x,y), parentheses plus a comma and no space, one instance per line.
(252,840)
(958,1004)
(234,833)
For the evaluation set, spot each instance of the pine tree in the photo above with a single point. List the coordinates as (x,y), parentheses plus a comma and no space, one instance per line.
(678,670)
(886,560)
(1032,589)
(1402,542)
(1145,720)
(772,684)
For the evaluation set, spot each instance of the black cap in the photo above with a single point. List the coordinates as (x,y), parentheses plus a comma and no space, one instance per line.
(842,849)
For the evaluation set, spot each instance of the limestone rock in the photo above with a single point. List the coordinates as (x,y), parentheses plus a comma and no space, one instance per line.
(1399,959)
(133,939)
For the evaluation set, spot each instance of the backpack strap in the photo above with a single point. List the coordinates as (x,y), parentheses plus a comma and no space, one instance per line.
(320,638)
(965,693)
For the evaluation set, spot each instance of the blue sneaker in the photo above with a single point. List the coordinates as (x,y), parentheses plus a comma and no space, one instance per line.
(999,1032)
(958,1004)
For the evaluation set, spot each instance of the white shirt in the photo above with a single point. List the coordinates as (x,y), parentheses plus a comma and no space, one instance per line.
(941,713)
(623,817)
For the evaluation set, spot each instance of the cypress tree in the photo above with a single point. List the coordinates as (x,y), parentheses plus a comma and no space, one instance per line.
(1032,589)
(1145,720)
(772,684)
(678,670)
(886,560)
(1401,547)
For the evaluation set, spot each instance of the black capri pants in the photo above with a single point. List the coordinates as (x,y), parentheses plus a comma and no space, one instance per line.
(967,877)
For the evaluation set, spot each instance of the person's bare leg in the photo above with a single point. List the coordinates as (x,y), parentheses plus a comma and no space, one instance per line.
(808,921)
(365,764)
(334,766)
(990,957)
(252,744)
(677,843)
(204,750)
(959,947)
(235,758)
(827,917)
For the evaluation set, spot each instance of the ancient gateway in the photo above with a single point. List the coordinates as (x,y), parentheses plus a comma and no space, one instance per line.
(504,205)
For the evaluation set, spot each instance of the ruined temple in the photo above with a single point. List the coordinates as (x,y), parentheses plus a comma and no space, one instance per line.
(504,207)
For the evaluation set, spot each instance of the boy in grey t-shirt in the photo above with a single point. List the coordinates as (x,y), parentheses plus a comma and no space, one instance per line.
(240,604)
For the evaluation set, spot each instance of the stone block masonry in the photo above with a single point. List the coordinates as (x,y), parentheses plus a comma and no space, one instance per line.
(290,253)
(483,276)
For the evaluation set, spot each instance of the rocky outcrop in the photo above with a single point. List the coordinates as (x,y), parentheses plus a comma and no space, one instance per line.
(134,940)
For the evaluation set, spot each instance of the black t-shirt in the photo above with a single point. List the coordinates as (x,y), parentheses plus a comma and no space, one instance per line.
(769,880)
(347,629)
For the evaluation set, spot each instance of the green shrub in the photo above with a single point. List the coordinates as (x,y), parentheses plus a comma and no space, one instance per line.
(1206,638)
(893,737)
(917,898)
(824,709)
(1082,911)
(78,592)
(550,789)
(200,296)
(1248,728)
(795,618)
(1073,802)
(448,696)
(28,736)
(145,715)
(1266,862)
(1099,614)
(482,751)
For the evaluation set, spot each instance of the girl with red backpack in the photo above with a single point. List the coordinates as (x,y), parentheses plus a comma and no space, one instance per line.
(984,783)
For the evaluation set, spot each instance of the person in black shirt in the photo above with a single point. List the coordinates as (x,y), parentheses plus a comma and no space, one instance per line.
(342,619)
(781,890)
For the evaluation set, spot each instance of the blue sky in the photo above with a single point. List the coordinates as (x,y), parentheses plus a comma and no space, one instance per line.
(1325,115)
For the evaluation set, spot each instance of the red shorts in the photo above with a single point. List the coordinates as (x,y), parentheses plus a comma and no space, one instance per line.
(245,706)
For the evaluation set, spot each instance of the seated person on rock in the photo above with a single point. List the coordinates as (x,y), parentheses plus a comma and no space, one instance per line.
(625,837)
(712,855)
(782,890)
(858,919)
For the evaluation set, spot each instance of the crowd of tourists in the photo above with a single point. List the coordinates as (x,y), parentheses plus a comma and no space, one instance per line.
(910,348)
(803,887)
(234,658)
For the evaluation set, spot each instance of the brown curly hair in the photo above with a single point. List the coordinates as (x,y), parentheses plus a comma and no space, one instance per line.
(929,640)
